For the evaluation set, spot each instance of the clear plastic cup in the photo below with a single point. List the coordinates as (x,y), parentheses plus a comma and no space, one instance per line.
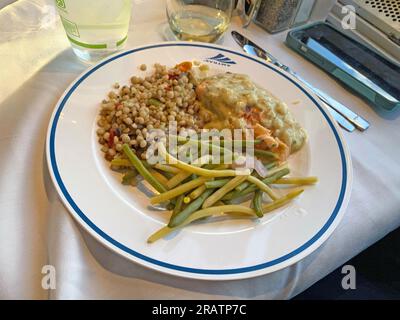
(199,20)
(95,28)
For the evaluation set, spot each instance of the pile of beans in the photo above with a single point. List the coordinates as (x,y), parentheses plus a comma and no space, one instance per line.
(151,102)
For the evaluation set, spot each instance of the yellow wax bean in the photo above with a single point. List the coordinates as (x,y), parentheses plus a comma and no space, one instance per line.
(197,192)
(297,180)
(163,180)
(177,179)
(170,194)
(262,186)
(282,201)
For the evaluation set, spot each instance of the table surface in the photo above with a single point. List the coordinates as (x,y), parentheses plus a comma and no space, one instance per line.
(37,64)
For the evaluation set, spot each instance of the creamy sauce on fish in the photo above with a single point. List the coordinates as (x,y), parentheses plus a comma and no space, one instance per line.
(230,98)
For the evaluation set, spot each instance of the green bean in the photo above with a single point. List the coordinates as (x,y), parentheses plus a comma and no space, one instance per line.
(167,168)
(173,193)
(129,178)
(216,183)
(272,177)
(163,180)
(266,161)
(121,163)
(257,203)
(265,154)
(178,206)
(242,186)
(146,164)
(277,169)
(168,175)
(270,165)
(142,169)
(224,190)
(192,207)
(281,201)
(230,196)
(183,175)
(245,184)
(261,186)
(177,179)
(268,180)
(297,180)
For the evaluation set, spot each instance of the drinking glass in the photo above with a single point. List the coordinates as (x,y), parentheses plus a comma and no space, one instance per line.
(199,20)
(95,28)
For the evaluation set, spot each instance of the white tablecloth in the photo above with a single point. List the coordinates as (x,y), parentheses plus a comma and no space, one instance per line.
(36,65)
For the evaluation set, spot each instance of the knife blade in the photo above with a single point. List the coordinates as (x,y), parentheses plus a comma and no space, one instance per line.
(347,118)
(342,121)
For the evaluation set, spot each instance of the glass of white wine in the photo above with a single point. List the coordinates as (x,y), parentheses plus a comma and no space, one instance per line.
(199,20)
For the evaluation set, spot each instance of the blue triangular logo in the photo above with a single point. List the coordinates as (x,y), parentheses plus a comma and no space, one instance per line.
(221,58)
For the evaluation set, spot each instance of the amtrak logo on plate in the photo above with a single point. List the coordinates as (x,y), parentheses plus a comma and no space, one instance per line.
(220,59)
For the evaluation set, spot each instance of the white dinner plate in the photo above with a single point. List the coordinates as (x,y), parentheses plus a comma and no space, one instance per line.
(119,217)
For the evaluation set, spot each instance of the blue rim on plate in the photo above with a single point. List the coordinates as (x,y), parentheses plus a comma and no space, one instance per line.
(136,254)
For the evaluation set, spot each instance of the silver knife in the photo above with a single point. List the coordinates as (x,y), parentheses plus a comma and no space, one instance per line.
(342,121)
(341,110)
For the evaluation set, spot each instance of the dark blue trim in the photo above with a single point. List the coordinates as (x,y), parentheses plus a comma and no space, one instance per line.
(168,265)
